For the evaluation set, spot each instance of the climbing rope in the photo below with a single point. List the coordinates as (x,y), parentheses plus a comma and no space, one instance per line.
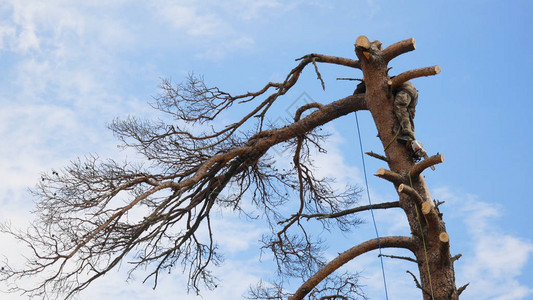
(394,138)
(423,241)
(371,210)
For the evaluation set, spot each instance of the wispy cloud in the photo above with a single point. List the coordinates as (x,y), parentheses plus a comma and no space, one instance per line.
(494,259)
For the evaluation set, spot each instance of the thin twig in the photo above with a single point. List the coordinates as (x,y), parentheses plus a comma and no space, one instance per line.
(399,257)
(456,257)
(418,284)
(318,76)
(384,205)
(461,289)
(378,156)
(351,79)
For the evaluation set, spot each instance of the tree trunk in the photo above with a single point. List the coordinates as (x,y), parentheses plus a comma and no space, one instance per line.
(437,279)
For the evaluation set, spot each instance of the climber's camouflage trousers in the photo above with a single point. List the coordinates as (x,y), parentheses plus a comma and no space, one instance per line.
(405,107)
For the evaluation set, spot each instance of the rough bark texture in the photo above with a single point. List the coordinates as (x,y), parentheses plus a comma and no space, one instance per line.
(436,269)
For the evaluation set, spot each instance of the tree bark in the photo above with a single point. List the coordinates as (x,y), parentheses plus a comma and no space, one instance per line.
(431,243)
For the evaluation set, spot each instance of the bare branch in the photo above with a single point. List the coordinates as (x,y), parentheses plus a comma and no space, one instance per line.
(378,156)
(94,214)
(400,257)
(418,284)
(318,76)
(385,242)
(333,60)
(353,210)
(305,107)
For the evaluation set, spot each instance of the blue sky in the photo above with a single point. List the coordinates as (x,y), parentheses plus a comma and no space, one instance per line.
(69,68)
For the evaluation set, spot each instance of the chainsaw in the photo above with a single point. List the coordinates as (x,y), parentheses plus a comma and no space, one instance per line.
(419,150)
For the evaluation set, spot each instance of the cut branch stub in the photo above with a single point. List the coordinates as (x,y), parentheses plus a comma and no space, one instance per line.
(426,207)
(444,237)
(411,192)
(415,73)
(399,48)
(424,164)
(389,175)
(362,42)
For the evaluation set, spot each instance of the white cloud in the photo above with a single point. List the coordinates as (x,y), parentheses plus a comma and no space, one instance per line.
(236,275)
(200,25)
(494,258)
(216,28)
(235,235)
(191,17)
(69,79)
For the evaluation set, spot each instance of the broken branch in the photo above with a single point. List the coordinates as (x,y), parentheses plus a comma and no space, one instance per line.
(461,289)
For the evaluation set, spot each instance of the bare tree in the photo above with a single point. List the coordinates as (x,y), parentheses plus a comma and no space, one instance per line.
(95,213)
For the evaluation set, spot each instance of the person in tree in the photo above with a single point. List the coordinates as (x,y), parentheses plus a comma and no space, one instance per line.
(405,100)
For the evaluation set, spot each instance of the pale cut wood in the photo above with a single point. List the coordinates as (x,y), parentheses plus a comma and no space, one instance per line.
(411,192)
(362,42)
(426,207)
(389,175)
(398,48)
(415,73)
(426,163)
(444,237)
